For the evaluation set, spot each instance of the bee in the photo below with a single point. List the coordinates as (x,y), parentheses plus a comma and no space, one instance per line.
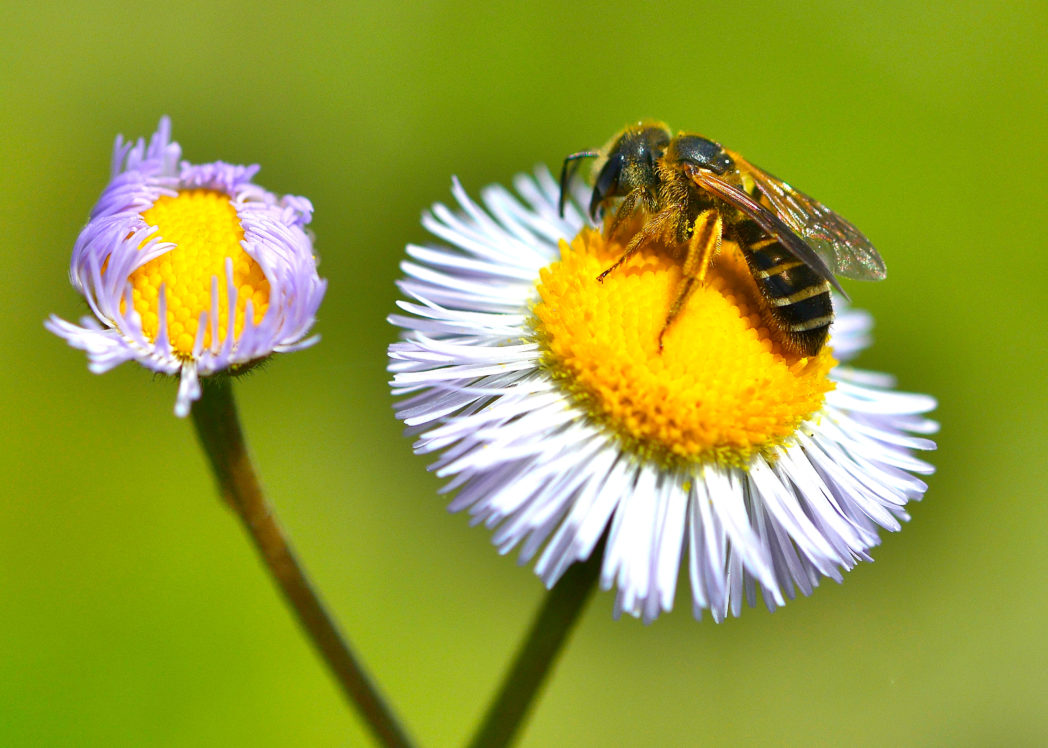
(692,192)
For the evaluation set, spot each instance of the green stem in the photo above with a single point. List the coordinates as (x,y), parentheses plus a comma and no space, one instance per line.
(218,428)
(539,651)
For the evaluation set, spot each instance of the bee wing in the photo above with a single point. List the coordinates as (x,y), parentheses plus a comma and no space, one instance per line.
(846,250)
(765,219)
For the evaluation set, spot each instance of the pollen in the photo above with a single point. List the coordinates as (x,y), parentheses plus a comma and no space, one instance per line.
(203,226)
(721,389)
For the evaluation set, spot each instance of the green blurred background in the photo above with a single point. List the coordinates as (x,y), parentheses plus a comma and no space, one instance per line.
(134,611)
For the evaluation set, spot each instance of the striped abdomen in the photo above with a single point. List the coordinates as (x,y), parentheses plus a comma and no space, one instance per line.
(797,300)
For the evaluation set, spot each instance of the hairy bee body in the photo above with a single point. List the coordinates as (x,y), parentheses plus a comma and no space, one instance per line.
(692,192)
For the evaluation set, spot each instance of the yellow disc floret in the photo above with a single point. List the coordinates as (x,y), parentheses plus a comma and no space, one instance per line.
(203,226)
(720,390)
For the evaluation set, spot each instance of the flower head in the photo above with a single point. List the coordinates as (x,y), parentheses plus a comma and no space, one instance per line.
(191,269)
(557,419)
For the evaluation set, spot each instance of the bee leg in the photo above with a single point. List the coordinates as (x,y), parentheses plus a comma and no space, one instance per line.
(705,241)
(632,247)
(655,227)
(650,231)
(629,204)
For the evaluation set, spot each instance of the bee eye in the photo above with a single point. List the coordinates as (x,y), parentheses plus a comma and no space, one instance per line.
(607,183)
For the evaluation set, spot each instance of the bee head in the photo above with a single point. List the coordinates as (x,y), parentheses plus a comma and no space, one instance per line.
(630,165)
(705,154)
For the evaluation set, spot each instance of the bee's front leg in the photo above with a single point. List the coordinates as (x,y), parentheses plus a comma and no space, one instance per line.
(652,230)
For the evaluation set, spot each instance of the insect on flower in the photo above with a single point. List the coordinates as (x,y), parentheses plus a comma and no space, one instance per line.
(692,192)
(556,420)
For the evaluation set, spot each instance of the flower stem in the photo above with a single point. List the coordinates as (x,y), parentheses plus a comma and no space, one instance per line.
(538,652)
(218,428)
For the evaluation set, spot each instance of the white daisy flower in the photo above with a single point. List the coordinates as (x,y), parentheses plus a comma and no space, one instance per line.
(191,269)
(556,420)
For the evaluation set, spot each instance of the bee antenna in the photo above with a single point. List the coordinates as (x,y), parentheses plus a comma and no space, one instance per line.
(567,171)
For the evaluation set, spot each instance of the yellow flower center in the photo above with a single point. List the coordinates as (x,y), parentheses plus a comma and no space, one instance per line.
(203,226)
(721,389)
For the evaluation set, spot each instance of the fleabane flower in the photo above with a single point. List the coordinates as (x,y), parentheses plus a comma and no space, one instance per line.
(556,420)
(191,269)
